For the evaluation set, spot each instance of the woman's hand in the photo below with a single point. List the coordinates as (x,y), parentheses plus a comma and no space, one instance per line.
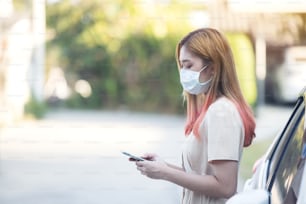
(155,168)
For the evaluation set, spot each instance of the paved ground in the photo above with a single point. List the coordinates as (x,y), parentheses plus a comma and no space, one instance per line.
(270,119)
(74,156)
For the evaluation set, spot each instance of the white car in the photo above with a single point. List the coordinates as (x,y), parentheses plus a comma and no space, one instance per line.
(285,80)
(280,176)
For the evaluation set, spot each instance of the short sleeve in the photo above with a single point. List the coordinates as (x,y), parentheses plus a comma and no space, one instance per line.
(225,132)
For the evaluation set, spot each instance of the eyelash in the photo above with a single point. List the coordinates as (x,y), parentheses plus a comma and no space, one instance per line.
(187,67)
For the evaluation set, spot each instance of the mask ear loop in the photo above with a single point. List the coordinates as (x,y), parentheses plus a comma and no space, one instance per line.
(209,80)
(203,68)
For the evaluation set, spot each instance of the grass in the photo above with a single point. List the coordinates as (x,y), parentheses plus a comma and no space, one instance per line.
(251,155)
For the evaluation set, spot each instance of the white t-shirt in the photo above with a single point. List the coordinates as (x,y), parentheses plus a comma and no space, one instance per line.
(221,138)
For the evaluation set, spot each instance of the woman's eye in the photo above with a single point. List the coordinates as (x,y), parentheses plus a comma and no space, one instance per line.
(187,66)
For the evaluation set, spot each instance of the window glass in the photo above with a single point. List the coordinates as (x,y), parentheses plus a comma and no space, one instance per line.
(288,164)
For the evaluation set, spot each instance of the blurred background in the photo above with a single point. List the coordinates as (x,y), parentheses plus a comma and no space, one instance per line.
(80,80)
(120,54)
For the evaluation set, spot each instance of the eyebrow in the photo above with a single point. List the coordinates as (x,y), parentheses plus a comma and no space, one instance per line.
(185,60)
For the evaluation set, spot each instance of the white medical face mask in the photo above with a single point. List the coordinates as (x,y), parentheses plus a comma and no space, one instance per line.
(190,81)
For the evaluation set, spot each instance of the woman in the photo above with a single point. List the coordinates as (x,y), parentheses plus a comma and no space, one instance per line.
(219,122)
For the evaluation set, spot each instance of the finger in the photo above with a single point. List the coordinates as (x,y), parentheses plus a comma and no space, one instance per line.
(140,163)
(141,169)
(132,160)
(149,156)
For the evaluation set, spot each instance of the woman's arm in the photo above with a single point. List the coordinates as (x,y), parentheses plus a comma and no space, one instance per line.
(222,184)
(155,157)
(175,167)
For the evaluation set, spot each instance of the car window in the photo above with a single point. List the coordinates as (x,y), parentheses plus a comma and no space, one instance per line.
(287,158)
(280,144)
(294,190)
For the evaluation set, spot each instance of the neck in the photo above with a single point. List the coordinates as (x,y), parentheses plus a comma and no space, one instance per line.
(200,101)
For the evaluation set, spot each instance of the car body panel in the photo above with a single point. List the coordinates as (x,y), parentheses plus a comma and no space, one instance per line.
(258,196)
(274,177)
(302,196)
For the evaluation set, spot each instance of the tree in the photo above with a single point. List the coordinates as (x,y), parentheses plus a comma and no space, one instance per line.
(124,49)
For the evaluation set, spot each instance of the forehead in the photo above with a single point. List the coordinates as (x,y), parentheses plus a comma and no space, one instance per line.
(185,53)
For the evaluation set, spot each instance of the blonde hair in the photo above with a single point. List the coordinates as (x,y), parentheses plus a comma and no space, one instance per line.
(212,47)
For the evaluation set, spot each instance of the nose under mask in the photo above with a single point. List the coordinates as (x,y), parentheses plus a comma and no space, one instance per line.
(190,81)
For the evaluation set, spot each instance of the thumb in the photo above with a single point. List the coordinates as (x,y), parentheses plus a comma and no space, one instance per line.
(150,156)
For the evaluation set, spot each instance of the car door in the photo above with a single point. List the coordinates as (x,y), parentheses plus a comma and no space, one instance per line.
(280,169)
(302,186)
(285,157)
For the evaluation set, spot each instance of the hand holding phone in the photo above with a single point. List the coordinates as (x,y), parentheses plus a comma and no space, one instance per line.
(135,158)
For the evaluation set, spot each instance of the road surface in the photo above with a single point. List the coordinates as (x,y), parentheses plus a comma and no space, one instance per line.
(74,156)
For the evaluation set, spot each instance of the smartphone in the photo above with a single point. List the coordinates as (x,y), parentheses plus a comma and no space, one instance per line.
(133,157)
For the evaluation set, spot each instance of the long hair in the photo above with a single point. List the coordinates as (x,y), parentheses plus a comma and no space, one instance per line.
(211,46)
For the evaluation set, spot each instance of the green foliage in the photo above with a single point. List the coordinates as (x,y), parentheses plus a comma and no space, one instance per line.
(22,5)
(150,73)
(84,54)
(35,108)
(125,50)
(244,57)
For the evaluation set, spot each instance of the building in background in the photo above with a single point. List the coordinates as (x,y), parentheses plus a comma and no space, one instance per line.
(271,30)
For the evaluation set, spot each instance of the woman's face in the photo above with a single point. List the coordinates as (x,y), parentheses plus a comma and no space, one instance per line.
(194,63)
